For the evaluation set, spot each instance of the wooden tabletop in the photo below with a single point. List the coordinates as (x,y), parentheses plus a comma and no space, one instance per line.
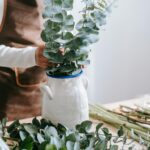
(131,102)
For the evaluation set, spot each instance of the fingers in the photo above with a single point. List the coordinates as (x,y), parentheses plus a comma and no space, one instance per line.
(46,64)
(82,66)
(62,51)
(41,49)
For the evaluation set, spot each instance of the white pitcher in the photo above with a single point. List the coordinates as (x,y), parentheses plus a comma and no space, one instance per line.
(65,100)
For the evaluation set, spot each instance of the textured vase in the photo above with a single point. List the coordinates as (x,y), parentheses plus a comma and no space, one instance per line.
(66,101)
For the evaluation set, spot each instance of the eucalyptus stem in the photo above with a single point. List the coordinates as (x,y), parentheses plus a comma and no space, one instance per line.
(111,117)
(100,113)
(138,111)
(11,139)
(85,16)
(143,121)
(145,110)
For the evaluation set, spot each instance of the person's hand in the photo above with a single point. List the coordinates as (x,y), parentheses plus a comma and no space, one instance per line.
(40,59)
(43,61)
(62,51)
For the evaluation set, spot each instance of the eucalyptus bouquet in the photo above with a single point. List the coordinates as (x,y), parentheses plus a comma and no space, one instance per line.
(44,135)
(61,31)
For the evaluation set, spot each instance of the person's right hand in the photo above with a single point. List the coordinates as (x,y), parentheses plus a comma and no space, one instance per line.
(43,61)
(40,59)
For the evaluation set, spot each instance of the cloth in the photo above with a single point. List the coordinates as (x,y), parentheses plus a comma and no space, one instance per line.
(3,6)
(1,11)
(22,27)
(17,57)
(23,23)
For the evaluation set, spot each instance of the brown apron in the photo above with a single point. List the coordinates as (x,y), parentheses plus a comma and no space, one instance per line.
(22,27)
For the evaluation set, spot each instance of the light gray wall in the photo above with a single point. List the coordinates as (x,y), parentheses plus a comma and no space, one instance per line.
(120,67)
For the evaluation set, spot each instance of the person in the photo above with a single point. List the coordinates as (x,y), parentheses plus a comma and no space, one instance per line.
(23,57)
(21,46)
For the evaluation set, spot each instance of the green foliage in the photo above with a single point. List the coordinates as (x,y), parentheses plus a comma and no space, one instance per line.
(43,135)
(61,31)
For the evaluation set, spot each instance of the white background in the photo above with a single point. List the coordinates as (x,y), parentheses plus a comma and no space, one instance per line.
(120,67)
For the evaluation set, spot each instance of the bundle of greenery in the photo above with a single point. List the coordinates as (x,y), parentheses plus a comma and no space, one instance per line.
(44,135)
(61,31)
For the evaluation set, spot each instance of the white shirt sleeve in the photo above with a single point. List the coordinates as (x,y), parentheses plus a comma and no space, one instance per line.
(17,57)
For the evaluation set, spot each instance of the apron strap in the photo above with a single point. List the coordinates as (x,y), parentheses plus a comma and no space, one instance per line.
(3,8)
(26,85)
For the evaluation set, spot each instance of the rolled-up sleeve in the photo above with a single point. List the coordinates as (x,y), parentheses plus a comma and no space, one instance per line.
(17,57)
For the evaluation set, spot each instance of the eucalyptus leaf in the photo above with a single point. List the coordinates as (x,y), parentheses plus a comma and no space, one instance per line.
(50,70)
(57,2)
(63,41)
(22,135)
(4,121)
(67,4)
(43,145)
(90,23)
(36,122)
(27,144)
(51,45)
(100,17)
(99,125)
(68,36)
(84,126)
(51,10)
(13,126)
(52,50)
(68,28)
(57,18)
(85,62)
(120,131)
(66,68)
(54,57)
(91,145)
(48,2)
(70,145)
(50,147)
(76,71)
(61,129)
(131,148)
(83,51)
(56,141)
(40,138)
(45,123)
(80,24)
(71,137)
(114,147)
(89,3)
(31,129)
(51,131)
(76,146)
(106,133)
(69,20)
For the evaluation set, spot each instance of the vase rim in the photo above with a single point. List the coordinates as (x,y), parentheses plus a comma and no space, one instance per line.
(65,77)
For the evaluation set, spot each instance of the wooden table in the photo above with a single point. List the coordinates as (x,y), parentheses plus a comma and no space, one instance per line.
(131,102)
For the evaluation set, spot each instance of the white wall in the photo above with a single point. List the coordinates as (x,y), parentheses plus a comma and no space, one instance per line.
(120,66)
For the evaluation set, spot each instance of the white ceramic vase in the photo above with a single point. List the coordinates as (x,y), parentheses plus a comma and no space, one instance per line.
(66,100)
